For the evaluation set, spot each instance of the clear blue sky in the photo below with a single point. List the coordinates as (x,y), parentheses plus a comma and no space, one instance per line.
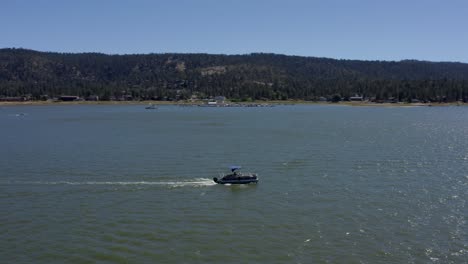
(348,29)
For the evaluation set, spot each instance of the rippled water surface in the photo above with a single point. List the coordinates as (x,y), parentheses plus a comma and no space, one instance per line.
(121,184)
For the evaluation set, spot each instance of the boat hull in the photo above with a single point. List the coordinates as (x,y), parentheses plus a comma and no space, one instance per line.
(236,181)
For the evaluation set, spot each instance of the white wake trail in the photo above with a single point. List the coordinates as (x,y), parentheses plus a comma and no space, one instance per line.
(198,182)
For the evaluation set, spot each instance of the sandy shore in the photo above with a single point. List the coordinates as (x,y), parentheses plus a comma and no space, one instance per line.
(289,102)
(89,103)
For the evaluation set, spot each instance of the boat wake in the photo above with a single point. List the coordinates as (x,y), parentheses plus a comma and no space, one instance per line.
(198,182)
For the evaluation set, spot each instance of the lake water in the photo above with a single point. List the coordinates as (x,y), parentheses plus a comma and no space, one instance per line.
(121,184)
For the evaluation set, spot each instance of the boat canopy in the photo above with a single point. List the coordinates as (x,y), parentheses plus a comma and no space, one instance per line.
(234,167)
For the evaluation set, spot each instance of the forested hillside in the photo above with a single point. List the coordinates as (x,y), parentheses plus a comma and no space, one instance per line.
(243,77)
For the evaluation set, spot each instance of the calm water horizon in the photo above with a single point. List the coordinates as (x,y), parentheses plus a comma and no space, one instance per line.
(338,184)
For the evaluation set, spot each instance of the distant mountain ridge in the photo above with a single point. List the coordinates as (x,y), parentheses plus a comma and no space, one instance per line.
(244,77)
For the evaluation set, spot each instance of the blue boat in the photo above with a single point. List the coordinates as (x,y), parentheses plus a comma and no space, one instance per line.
(236,177)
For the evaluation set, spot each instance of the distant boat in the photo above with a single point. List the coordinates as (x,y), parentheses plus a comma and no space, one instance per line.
(151,106)
(236,177)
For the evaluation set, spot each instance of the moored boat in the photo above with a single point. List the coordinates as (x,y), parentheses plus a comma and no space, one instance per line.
(151,106)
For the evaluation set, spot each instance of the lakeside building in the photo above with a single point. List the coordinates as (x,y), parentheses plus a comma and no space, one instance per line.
(356,98)
(12,99)
(68,98)
(220,99)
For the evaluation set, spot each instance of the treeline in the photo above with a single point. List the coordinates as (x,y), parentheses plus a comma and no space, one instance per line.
(257,76)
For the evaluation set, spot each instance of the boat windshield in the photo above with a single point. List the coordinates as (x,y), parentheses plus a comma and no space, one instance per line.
(234,168)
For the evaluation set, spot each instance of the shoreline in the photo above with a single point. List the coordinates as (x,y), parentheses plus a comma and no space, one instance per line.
(187,103)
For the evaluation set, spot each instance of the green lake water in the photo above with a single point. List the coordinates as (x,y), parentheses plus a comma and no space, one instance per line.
(338,184)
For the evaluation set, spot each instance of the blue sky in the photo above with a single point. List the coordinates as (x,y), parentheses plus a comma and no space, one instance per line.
(342,29)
